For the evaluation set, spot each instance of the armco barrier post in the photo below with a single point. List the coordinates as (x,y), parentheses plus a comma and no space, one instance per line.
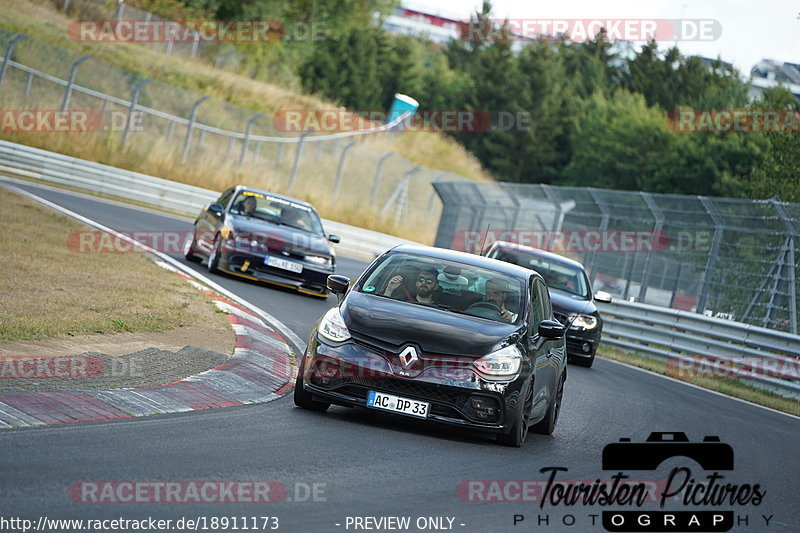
(296,164)
(373,196)
(187,141)
(73,71)
(134,100)
(9,50)
(340,170)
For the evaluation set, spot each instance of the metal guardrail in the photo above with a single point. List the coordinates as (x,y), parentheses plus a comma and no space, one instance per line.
(37,164)
(762,357)
(695,345)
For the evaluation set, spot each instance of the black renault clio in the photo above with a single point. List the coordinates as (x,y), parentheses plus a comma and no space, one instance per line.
(444,336)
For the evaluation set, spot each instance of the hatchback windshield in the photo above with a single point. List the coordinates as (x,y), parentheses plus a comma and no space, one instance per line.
(276,210)
(563,277)
(447,285)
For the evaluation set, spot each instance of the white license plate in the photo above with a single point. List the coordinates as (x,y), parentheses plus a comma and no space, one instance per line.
(396,404)
(284,264)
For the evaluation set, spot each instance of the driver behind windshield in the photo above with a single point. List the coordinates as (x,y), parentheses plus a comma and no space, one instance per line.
(247,206)
(497,293)
(426,285)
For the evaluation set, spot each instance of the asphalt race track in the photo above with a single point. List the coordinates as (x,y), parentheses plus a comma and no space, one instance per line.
(369,465)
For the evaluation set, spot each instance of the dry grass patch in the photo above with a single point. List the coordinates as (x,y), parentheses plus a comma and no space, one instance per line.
(732,388)
(47,291)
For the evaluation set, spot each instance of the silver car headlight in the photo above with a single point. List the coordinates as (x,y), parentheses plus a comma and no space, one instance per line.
(583,322)
(332,326)
(500,365)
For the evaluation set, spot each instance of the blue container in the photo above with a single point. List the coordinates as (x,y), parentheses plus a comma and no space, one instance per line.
(402,104)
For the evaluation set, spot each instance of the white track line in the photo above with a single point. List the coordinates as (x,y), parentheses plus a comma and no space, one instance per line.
(296,342)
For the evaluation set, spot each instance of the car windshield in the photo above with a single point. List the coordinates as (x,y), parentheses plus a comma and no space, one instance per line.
(276,210)
(558,275)
(447,285)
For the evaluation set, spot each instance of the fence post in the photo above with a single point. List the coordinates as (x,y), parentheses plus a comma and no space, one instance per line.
(279,156)
(120,9)
(296,164)
(246,139)
(187,141)
(9,50)
(73,71)
(711,262)
(373,196)
(134,100)
(195,44)
(433,193)
(28,82)
(400,192)
(340,170)
(653,206)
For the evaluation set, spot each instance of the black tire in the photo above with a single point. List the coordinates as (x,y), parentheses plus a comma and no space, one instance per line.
(191,254)
(304,399)
(519,430)
(548,424)
(213,259)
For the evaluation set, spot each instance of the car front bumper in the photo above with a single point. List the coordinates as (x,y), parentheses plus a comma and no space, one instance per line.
(343,374)
(312,280)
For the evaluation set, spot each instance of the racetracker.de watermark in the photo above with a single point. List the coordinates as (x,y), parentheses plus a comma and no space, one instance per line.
(575,241)
(581,30)
(70,121)
(70,367)
(733,368)
(734,120)
(196,491)
(175,242)
(424,120)
(190,31)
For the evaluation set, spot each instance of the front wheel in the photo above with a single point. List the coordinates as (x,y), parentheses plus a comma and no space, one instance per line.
(213,259)
(191,251)
(304,399)
(548,423)
(519,430)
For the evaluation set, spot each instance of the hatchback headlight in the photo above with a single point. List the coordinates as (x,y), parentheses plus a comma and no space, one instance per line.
(583,321)
(318,260)
(332,326)
(502,364)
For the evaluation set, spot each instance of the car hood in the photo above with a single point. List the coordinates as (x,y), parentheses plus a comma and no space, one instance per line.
(280,238)
(395,323)
(565,304)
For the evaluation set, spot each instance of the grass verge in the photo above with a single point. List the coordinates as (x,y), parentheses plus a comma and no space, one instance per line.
(48,291)
(732,388)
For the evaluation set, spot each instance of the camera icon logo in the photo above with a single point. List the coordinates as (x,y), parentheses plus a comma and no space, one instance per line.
(710,454)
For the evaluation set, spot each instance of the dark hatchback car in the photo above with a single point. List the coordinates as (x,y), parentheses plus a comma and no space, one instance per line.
(570,292)
(264,237)
(444,336)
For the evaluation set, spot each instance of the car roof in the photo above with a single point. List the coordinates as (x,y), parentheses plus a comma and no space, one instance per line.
(480,261)
(544,254)
(240,188)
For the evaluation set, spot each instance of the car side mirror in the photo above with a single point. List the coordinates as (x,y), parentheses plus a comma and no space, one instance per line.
(334,239)
(551,329)
(216,209)
(603,297)
(338,285)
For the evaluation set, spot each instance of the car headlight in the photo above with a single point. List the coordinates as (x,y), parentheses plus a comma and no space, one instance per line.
(502,364)
(318,260)
(583,322)
(332,326)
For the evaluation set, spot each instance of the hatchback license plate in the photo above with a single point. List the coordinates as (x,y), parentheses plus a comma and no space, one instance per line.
(283,264)
(396,404)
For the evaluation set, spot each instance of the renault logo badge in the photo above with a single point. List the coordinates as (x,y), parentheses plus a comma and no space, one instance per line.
(408,356)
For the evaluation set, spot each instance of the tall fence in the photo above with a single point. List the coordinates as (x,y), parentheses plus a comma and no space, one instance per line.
(155,117)
(735,259)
